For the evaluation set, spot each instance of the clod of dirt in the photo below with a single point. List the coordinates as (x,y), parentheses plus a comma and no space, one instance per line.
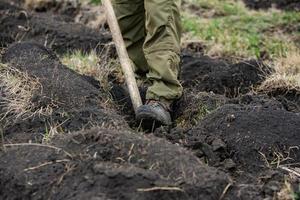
(61,36)
(71,101)
(206,74)
(279,4)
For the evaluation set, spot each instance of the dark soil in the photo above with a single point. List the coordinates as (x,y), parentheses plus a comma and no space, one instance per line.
(280,4)
(290,99)
(18,183)
(248,137)
(75,101)
(252,139)
(205,74)
(19,25)
(106,164)
(68,9)
(248,130)
(227,141)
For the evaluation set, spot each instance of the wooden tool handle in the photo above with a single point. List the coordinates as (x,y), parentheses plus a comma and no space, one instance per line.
(123,55)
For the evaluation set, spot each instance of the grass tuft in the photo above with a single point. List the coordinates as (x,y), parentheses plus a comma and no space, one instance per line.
(286,75)
(101,67)
(94,65)
(17,91)
(286,192)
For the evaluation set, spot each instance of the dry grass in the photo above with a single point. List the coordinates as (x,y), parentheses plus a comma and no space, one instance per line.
(17,91)
(94,65)
(52,130)
(100,66)
(286,75)
(36,4)
(286,192)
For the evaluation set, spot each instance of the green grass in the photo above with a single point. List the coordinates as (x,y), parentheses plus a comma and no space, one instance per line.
(296,197)
(95,1)
(219,7)
(235,31)
(82,63)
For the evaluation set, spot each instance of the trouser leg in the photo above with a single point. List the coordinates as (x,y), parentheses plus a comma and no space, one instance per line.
(131,18)
(162,48)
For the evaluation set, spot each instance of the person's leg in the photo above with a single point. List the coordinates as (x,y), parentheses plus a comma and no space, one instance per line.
(162,48)
(131,18)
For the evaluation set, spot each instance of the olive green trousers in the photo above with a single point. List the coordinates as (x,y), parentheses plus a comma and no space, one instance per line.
(152,31)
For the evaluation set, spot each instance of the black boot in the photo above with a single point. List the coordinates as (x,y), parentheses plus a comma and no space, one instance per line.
(153,114)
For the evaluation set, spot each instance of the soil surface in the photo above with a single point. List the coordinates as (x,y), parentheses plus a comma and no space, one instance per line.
(279,4)
(75,102)
(48,29)
(228,141)
(205,74)
(105,164)
(248,137)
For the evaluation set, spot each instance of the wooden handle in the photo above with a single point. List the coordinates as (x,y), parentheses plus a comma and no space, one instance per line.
(123,55)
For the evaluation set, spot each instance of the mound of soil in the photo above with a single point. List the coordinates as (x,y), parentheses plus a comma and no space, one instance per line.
(290,98)
(60,84)
(53,31)
(205,74)
(105,180)
(31,183)
(249,137)
(68,8)
(251,134)
(87,13)
(279,4)
(149,153)
(76,103)
(105,164)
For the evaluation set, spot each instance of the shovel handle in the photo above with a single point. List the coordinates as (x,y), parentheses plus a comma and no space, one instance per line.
(123,55)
